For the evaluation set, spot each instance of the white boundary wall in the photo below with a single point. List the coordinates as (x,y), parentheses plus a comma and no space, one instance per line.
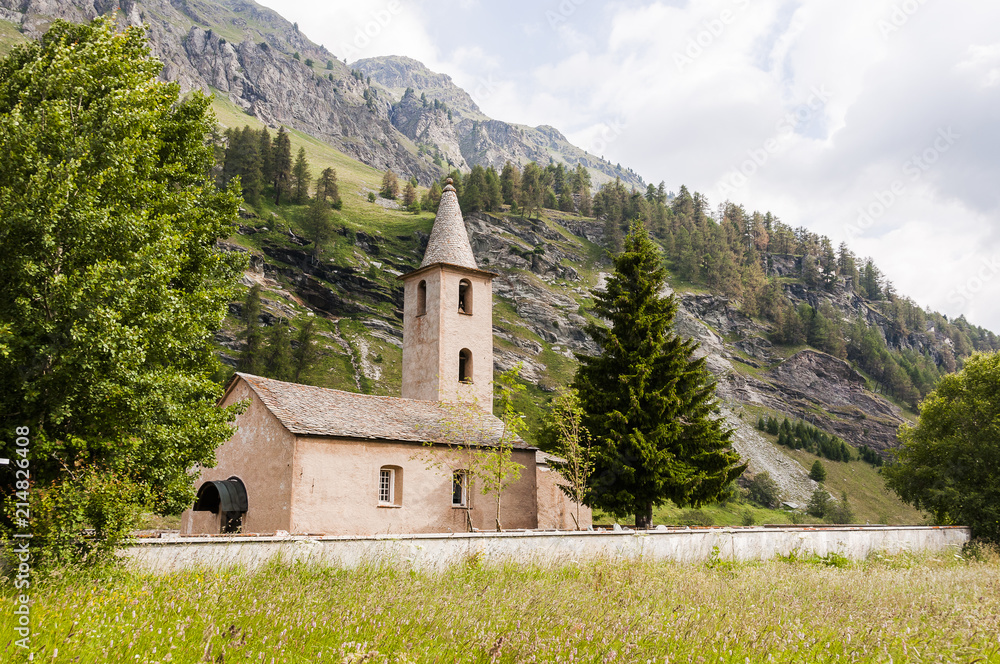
(545,548)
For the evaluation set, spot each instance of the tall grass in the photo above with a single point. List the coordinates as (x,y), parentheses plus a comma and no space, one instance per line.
(943,608)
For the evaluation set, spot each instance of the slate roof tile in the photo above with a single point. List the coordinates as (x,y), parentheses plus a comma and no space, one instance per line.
(318,411)
(449,241)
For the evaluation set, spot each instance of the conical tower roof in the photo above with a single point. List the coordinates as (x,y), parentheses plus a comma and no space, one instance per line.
(449,242)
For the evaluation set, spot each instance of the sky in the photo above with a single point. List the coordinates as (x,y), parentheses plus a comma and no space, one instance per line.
(875,122)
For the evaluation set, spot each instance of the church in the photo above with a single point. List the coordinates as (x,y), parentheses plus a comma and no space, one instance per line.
(312,460)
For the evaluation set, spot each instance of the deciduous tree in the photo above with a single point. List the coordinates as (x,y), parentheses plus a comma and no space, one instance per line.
(113,285)
(949,462)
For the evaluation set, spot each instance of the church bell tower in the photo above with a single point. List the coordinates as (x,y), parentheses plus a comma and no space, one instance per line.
(448,317)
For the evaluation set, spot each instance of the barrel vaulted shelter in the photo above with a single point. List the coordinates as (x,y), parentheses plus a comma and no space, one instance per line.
(307,459)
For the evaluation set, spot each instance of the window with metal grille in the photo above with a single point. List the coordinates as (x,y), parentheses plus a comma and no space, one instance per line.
(385,486)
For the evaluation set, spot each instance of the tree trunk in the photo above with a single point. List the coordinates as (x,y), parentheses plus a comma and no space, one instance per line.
(644,517)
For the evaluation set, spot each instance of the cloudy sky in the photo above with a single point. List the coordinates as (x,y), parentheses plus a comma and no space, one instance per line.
(871,121)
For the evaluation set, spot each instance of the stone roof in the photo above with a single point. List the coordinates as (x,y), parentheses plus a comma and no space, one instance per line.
(318,411)
(449,242)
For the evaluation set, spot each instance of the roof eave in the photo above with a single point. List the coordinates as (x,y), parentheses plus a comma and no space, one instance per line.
(462,268)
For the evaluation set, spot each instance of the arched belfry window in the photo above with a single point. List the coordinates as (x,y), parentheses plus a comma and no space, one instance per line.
(465,297)
(465,366)
(422,298)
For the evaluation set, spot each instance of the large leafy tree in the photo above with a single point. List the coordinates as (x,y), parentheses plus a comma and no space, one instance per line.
(648,404)
(112,282)
(949,462)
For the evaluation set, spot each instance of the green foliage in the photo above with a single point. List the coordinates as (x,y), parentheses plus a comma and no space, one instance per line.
(301,178)
(252,356)
(649,406)
(318,225)
(949,462)
(818,471)
(497,469)
(327,189)
(281,164)
(839,512)
(113,286)
(763,490)
(390,185)
(802,436)
(819,503)
(572,445)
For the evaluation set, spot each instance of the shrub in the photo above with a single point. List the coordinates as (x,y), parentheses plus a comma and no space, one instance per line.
(763,490)
(819,503)
(840,512)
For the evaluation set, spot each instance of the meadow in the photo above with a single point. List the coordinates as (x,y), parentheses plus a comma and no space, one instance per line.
(928,608)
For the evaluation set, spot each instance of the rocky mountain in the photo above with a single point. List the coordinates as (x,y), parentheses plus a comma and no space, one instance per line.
(466,137)
(266,66)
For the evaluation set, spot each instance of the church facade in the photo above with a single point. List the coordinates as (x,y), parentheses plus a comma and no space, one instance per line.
(313,460)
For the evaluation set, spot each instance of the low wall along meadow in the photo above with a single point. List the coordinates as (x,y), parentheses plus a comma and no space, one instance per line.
(689,545)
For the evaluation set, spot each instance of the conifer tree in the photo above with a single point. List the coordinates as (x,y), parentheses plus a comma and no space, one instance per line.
(301,178)
(305,351)
(510,183)
(278,357)
(432,198)
(409,194)
(317,224)
(649,406)
(390,185)
(266,153)
(252,357)
(281,164)
(327,189)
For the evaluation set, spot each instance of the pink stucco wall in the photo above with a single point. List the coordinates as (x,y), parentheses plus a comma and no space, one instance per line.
(260,453)
(336,490)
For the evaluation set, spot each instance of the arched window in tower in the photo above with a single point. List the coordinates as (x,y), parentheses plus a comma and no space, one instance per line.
(465,366)
(465,297)
(422,298)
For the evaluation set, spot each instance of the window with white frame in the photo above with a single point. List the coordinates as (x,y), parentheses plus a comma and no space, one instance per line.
(459,488)
(386,486)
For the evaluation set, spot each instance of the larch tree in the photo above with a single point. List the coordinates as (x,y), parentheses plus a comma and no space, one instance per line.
(113,285)
(281,164)
(649,405)
(390,185)
(301,178)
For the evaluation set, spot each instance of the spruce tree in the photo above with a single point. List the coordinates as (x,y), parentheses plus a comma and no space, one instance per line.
(649,405)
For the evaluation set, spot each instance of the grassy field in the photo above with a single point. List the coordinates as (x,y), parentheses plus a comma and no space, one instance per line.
(915,609)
